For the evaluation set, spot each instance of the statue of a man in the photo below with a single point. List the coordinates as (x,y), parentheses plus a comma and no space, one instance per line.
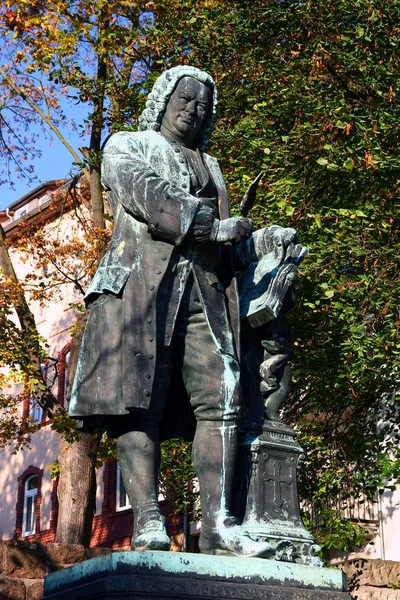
(163,309)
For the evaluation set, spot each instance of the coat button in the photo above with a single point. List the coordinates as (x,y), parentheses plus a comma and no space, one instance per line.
(146,393)
(185,174)
(184,185)
(161,210)
(157,271)
(150,339)
(156,225)
(181,160)
(148,376)
(163,257)
(150,357)
(152,287)
(150,305)
(149,321)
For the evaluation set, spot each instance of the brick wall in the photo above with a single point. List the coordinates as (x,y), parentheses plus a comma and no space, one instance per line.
(111,528)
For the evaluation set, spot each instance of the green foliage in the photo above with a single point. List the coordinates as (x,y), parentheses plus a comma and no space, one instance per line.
(337,533)
(394,586)
(15,427)
(309,94)
(177,474)
(54,469)
(107,450)
(66,427)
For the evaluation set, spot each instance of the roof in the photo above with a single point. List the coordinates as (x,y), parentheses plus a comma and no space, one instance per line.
(43,211)
(37,191)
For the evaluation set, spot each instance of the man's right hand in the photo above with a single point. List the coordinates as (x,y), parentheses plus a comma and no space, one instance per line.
(234,229)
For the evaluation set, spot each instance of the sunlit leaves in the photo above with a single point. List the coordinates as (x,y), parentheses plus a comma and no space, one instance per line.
(317,84)
(177,476)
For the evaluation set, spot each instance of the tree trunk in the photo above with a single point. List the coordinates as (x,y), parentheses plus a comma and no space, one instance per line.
(96,196)
(77,490)
(77,483)
(96,193)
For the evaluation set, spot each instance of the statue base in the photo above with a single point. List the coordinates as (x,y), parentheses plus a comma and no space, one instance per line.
(268,504)
(179,575)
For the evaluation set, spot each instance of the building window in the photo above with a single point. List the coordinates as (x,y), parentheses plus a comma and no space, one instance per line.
(50,371)
(43,199)
(42,311)
(32,408)
(30,498)
(122,500)
(35,411)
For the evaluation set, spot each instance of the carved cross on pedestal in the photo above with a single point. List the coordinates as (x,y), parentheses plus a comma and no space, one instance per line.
(267,494)
(273,473)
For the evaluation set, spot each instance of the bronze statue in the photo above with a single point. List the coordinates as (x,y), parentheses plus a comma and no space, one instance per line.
(162,332)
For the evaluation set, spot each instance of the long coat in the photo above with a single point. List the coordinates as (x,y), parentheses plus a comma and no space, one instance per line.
(147,183)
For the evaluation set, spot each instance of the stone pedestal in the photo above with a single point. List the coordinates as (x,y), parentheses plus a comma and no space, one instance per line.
(268,502)
(173,575)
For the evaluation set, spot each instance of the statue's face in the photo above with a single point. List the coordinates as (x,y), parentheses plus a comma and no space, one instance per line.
(187,110)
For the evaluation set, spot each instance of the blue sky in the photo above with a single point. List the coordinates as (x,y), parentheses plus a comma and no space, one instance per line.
(55,163)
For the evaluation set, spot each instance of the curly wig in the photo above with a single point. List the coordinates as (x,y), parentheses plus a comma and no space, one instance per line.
(163,89)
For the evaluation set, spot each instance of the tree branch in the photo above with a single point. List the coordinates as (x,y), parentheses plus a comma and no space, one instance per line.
(45,118)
